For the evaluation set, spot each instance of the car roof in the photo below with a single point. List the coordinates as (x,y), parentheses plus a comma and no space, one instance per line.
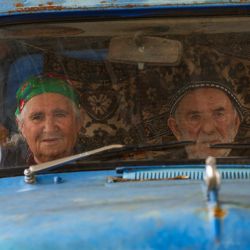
(13,7)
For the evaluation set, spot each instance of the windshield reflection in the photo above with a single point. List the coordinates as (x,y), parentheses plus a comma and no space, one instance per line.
(71,93)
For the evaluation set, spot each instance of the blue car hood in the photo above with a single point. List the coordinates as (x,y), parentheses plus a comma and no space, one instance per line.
(84,211)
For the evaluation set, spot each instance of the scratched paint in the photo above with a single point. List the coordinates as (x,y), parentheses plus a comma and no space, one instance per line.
(17,6)
(86,212)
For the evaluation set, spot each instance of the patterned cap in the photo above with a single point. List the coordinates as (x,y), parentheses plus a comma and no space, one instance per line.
(37,85)
(205,84)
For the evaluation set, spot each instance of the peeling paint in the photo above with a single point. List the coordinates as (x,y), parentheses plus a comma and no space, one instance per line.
(111,179)
(83,212)
(219,212)
(17,6)
(37,8)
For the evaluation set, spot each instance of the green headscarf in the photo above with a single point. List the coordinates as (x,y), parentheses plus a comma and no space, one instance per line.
(38,85)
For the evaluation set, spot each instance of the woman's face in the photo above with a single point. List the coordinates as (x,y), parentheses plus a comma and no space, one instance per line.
(50,126)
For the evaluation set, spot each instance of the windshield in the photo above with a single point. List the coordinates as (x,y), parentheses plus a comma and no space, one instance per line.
(135,83)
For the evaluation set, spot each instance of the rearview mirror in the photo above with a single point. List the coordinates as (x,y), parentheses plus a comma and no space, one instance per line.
(145,49)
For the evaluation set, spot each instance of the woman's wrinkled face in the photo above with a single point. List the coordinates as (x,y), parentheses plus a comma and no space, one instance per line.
(50,126)
(206,116)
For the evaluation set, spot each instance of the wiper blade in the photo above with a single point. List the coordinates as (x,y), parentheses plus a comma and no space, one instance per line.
(169,145)
(113,149)
(242,145)
(142,148)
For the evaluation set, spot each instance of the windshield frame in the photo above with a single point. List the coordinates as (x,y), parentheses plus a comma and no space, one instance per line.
(34,15)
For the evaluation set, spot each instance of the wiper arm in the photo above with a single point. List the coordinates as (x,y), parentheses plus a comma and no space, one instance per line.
(29,173)
(241,145)
(106,150)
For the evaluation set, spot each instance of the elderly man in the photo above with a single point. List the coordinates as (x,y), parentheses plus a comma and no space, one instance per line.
(49,118)
(207,113)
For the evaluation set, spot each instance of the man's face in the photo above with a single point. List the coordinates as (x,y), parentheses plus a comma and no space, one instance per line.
(205,115)
(50,126)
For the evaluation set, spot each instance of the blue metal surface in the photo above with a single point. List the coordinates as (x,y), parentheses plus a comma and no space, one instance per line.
(45,5)
(17,11)
(83,211)
(195,172)
(11,7)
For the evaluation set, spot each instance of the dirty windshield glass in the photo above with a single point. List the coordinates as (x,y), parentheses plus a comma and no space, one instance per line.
(68,88)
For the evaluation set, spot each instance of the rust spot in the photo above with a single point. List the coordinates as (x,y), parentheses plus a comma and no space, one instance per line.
(130,6)
(19,5)
(111,179)
(37,8)
(219,212)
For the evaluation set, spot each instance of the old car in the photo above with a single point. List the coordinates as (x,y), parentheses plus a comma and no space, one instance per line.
(164,143)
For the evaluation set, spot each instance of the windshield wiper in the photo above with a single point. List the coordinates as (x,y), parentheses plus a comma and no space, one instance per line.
(106,150)
(142,148)
(235,145)
(29,173)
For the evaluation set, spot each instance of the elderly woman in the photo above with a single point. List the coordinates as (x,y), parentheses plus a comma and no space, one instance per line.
(49,119)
